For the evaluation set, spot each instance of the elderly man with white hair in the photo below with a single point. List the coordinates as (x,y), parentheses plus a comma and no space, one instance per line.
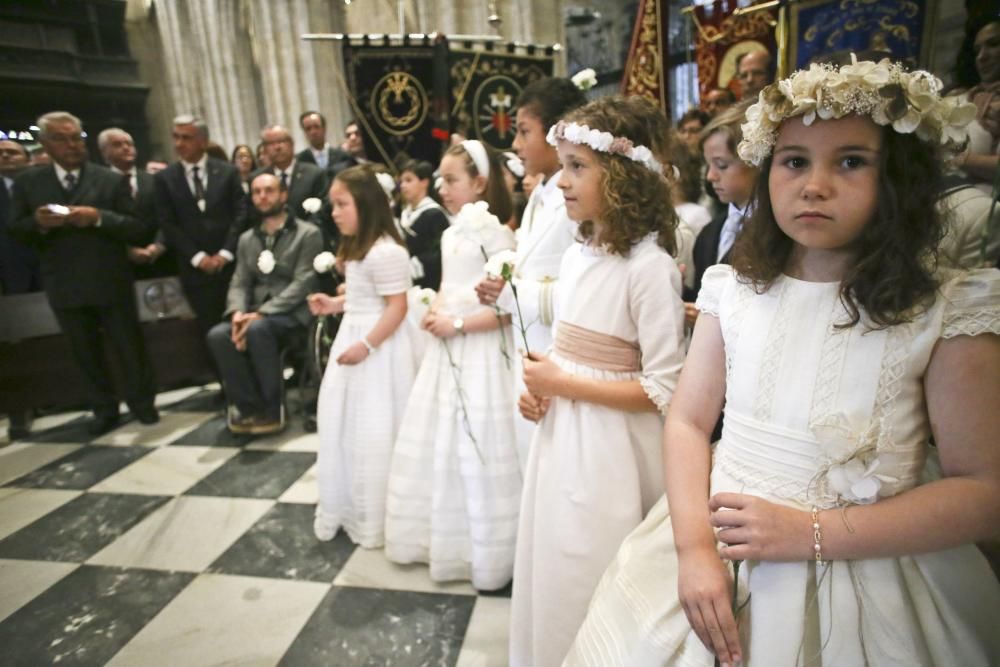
(79,215)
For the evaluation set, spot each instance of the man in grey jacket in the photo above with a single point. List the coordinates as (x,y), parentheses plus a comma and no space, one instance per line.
(265,306)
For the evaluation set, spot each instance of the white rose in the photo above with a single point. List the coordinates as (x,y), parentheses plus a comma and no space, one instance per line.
(312,205)
(854,482)
(494,265)
(266,262)
(476,216)
(600,141)
(324,261)
(585,79)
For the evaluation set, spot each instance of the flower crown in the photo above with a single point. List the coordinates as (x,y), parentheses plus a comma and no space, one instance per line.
(603,142)
(884,91)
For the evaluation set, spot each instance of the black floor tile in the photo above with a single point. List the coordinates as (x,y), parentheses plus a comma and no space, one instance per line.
(77,530)
(362,626)
(254,474)
(87,617)
(82,468)
(281,545)
(213,433)
(72,431)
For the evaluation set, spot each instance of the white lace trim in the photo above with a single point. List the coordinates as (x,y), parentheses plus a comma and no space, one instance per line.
(773,354)
(972,323)
(656,394)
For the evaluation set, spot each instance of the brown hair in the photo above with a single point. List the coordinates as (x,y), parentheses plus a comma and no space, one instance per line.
(497,195)
(728,123)
(374,216)
(636,200)
(892,279)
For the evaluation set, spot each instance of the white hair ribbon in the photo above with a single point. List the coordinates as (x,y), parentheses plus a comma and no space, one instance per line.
(477,152)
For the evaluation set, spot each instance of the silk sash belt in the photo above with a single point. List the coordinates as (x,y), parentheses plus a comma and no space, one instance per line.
(595,349)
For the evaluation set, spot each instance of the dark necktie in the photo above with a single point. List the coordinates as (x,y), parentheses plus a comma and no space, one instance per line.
(199,188)
(70,182)
(284,179)
(4,201)
(128,182)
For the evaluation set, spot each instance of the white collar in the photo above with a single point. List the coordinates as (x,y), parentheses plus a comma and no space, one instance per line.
(130,173)
(61,173)
(320,151)
(188,166)
(290,169)
(550,190)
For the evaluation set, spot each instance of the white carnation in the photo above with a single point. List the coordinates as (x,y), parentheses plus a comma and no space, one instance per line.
(324,261)
(585,79)
(476,216)
(266,262)
(494,265)
(312,205)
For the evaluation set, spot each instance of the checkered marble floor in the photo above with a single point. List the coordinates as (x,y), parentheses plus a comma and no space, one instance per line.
(181,544)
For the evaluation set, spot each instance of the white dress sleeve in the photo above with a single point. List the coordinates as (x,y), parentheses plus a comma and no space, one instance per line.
(713,281)
(972,304)
(389,264)
(658,312)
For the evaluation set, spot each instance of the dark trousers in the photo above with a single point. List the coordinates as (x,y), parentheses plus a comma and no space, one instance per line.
(85,328)
(208,301)
(253,379)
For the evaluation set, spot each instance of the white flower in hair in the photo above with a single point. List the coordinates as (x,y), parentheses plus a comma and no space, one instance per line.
(266,262)
(585,79)
(495,264)
(324,261)
(603,142)
(312,205)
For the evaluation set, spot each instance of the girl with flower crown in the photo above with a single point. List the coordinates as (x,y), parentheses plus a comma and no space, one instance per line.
(455,484)
(371,369)
(840,352)
(544,233)
(599,397)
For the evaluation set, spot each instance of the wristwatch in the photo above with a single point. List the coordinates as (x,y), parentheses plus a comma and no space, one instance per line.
(459,325)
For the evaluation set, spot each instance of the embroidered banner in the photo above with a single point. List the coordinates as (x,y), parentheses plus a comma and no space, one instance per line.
(820,27)
(644,71)
(723,37)
(401,93)
(485,84)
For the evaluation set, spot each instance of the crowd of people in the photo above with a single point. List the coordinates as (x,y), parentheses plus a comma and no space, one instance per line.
(783,310)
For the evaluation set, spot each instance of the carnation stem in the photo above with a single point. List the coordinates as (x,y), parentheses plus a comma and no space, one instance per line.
(456,372)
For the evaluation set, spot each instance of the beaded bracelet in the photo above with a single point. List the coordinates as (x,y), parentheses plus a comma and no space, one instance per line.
(817,536)
(364,341)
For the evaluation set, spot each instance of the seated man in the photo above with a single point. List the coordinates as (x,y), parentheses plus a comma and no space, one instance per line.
(266,305)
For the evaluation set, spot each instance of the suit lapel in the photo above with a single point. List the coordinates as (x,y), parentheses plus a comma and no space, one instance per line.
(86,184)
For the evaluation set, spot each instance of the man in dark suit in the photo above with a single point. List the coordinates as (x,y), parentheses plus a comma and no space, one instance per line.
(201,209)
(320,153)
(300,179)
(78,214)
(19,268)
(118,151)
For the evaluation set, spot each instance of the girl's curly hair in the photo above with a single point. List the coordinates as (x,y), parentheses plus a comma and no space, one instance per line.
(892,279)
(636,200)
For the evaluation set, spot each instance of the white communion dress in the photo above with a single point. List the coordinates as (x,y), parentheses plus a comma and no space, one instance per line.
(813,414)
(361,406)
(455,484)
(594,471)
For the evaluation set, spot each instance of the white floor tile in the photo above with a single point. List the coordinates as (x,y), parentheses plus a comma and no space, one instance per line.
(289,441)
(170,427)
(168,398)
(22,457)
(369,568)
(22,580)
(42,423)
(305,490)
(487,636)
(225,620)
(19,507)
(168,471)
(186,534)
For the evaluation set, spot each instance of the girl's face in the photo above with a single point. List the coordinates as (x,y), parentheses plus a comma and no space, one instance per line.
(580,182)
(731,178)
(530,144)
(458,188)
(987,49)
(824,180)
(345,213)
(412,188)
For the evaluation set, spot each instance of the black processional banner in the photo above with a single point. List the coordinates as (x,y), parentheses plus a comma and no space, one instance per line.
(485,84)
(401,97)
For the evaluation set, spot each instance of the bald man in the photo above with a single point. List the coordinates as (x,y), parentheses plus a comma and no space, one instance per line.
(755,70)
(301,179)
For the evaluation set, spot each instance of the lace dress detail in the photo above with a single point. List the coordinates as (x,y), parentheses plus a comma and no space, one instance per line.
(773,355)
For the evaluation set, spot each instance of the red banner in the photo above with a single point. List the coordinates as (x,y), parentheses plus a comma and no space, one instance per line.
(722,38)
(644,73)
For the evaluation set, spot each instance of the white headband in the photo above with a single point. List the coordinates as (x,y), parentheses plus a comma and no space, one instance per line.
(477,152)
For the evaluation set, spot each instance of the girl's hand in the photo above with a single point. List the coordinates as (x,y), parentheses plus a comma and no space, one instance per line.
(533,409)
(353,355)
(541,375)
(324,304)
(690,314)
(440,325)
(488,290)
(705,588)
(341,289)
(754,529)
